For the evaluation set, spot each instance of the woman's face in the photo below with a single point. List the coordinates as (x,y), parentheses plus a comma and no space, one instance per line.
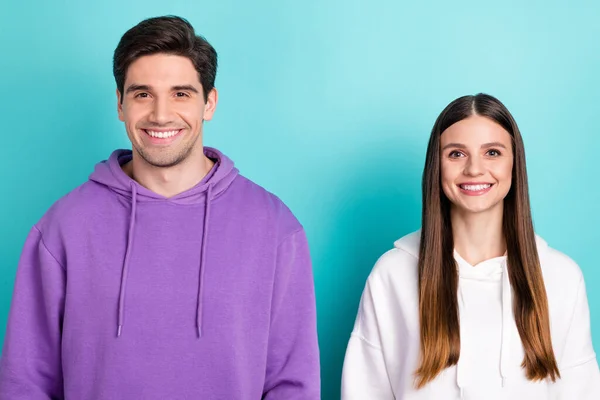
(476,165)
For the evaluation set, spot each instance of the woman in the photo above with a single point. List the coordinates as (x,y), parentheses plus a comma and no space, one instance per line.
(475,305)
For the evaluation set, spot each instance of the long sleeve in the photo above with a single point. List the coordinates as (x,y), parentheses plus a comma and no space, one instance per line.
(293,354)
(580,377)
(364,375)
(30,366)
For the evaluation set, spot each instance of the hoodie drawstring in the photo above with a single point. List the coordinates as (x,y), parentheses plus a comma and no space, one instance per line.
(506,324)
(200,307)
(125,270)
(127,256)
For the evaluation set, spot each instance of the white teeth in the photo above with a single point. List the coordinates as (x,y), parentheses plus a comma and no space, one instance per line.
(162,135)
(475,188)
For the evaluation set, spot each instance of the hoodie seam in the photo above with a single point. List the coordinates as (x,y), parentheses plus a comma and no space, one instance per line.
(288,236)
(572,318)
(162,201)
(366,341)
(583,361)
(407,252)
(47,249)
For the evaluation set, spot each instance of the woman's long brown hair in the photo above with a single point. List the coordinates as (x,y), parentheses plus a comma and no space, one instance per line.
(438,274)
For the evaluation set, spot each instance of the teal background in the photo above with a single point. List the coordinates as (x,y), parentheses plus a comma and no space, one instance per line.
(327,103)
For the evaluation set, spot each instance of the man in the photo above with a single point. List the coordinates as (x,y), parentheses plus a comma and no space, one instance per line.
(167,275)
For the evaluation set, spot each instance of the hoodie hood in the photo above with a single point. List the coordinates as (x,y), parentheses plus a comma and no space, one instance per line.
(110,174)
(411,242)
(495,269)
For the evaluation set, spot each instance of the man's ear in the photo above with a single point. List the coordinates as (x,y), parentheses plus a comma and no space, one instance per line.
(120,106)
(211,104)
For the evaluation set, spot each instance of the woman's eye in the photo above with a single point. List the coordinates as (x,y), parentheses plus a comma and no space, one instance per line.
(494,153)
(456,154)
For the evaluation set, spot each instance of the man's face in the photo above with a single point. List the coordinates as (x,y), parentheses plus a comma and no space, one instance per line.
(163,108)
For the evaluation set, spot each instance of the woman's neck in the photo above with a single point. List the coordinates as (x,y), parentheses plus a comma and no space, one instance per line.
(478,236)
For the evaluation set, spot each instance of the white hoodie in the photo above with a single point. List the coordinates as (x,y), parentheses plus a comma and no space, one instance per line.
(383,352)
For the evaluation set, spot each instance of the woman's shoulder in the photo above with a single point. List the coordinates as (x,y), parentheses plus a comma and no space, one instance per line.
(558,268)
(563,280)
(399,264)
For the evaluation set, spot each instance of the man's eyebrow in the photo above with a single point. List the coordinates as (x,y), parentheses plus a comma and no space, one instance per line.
(134,86)
(185,87)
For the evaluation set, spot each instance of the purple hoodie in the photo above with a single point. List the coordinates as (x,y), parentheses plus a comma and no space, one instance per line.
(124,294)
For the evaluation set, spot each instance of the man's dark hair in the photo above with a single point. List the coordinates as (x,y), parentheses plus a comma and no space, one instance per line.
(169,35)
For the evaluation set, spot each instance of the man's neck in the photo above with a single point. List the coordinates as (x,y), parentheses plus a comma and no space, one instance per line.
(169,181)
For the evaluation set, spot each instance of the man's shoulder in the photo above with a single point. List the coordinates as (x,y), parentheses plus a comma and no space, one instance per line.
(261,202)
(73,207)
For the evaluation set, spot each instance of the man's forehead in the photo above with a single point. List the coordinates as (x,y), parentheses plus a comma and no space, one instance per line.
(163,70)
(149,85)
